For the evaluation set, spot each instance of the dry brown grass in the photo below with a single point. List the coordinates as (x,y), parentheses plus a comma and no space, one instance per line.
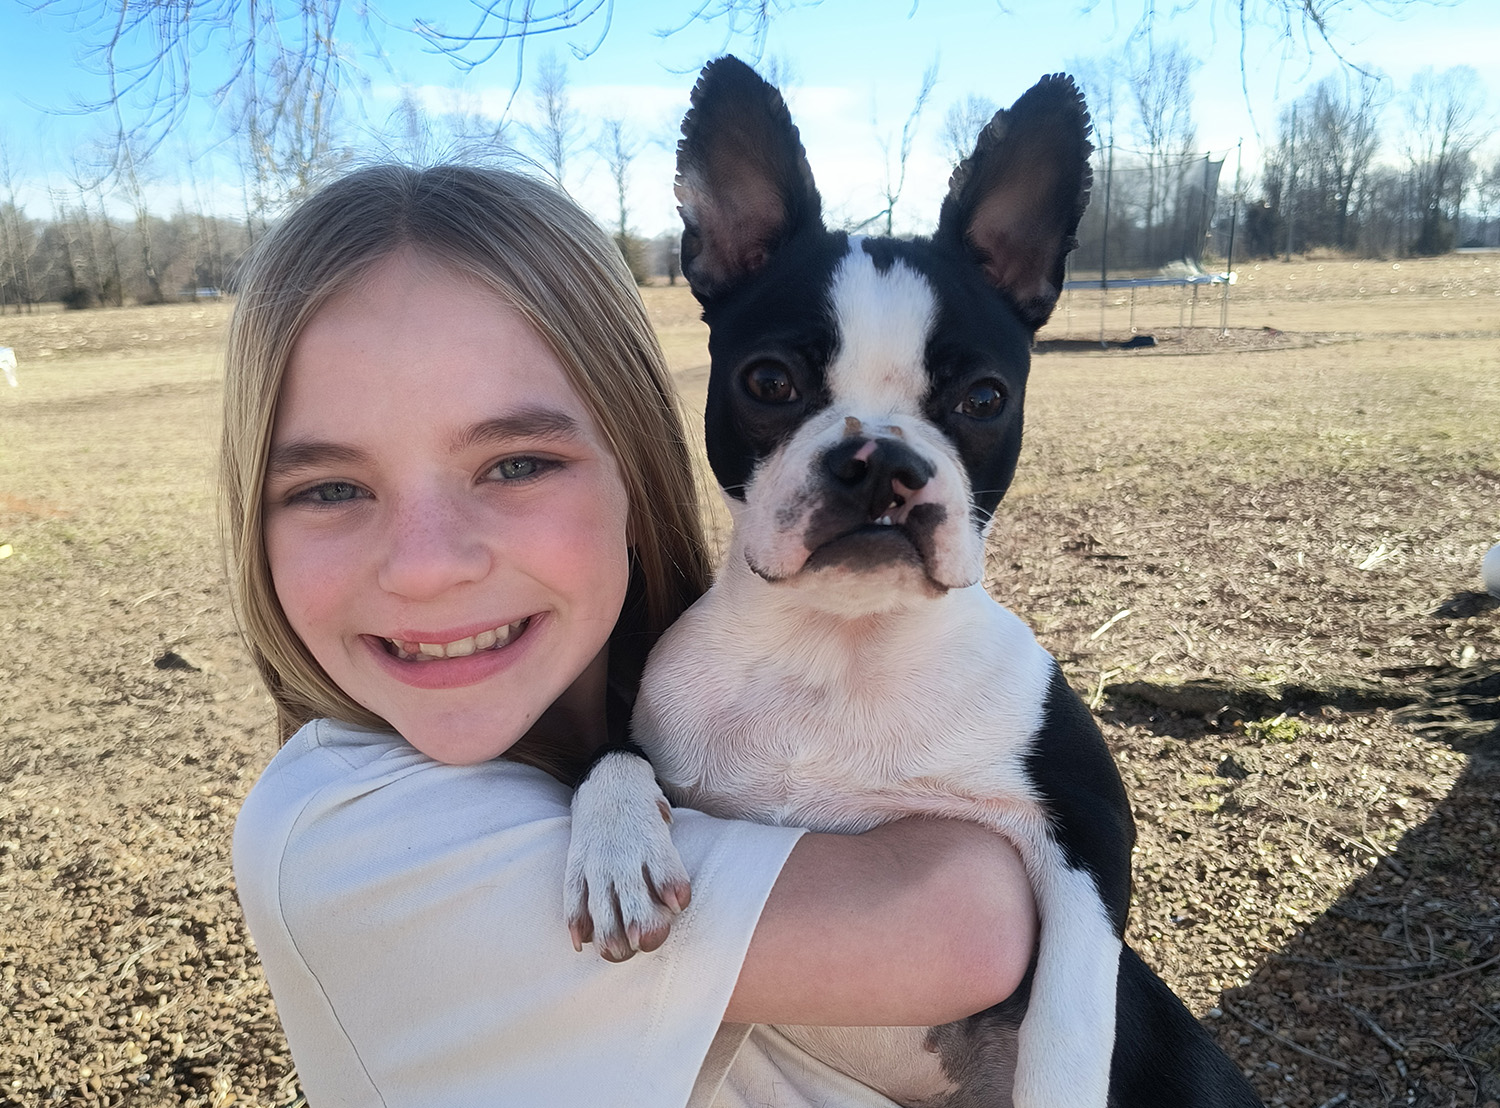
(1291,522)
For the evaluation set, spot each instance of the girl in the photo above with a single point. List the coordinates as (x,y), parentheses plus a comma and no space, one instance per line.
(459,510)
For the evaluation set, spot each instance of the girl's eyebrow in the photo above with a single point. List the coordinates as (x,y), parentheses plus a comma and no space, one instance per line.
(300,454)
(525,423)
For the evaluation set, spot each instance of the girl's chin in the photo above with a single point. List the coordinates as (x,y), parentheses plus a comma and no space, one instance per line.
(457,744)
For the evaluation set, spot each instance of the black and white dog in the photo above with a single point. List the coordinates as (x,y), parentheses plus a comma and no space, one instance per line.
(848,668)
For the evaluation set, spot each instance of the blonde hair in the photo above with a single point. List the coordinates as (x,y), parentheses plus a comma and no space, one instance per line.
(547,260)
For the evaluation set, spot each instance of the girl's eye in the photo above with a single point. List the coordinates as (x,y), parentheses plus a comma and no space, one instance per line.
(517,469)
(330,492)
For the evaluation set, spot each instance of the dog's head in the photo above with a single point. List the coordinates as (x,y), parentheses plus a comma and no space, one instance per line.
(864,402)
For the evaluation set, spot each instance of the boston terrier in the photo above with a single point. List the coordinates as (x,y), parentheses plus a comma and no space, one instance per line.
(848,668)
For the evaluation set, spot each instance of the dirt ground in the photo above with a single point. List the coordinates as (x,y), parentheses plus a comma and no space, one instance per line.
(1255,553)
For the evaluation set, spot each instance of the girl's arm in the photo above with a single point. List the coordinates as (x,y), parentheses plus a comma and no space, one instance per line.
(914,923)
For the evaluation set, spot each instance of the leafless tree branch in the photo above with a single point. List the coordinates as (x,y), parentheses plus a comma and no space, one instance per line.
(147,50)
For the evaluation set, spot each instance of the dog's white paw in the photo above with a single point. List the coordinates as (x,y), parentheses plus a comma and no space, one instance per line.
(625,881)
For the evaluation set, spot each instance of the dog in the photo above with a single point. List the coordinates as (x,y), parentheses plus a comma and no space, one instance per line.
(848,668)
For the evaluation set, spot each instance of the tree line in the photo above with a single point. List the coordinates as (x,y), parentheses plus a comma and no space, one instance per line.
(1354,166)
(1356,169)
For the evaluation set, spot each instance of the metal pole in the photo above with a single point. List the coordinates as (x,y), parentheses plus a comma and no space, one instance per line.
(1205,215)
(1234,216)
(1109,175)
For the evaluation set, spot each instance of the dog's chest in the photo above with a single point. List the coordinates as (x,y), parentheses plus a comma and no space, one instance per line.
(834,733)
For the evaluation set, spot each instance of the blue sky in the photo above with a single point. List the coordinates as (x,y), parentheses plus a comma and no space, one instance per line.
(855,66)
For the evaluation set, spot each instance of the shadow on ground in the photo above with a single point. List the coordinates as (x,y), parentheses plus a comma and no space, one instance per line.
(1392,995)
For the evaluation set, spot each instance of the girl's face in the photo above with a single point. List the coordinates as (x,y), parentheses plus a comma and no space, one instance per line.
(446,528)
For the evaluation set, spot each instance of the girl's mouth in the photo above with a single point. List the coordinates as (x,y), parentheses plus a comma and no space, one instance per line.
(474,644)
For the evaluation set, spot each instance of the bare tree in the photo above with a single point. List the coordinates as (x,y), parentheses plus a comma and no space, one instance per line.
(558,131)
(17,243)
(74,294)
(1443,113)
(146,49)
(962,123)
(131,171)
(208,245)
(255,191)
(289,114)
(281,79)
(408,133)
(113,282)
(1385,226)
(1101,80)
(618,146)
(778,70)
(1160,79)
(424,129)
(1328,140)
(496,23)
(106,283)
(896,153)
(666,255)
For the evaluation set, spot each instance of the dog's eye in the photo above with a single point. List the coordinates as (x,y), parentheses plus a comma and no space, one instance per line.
(984,400)
(770,383)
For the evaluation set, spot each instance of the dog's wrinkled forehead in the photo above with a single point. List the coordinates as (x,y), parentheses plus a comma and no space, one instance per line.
(883,318)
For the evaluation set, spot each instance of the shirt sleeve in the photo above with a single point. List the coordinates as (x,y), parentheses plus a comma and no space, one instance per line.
(408,916)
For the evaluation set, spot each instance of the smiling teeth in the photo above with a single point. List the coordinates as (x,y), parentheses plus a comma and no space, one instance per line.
(485,640)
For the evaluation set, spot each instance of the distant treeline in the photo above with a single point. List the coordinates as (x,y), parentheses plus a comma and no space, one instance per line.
(85,259)
(1340,175)
(1333,180)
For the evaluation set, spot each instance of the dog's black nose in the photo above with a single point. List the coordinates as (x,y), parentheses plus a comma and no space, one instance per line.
(877,472)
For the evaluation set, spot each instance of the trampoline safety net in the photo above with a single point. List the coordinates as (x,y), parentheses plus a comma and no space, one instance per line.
(1148,221)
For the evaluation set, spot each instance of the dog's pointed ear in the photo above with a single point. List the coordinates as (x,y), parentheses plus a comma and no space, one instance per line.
(743,181)
(1014,204)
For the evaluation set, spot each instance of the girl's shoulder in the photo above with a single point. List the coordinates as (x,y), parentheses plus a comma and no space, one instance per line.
(351,777)
(405,909)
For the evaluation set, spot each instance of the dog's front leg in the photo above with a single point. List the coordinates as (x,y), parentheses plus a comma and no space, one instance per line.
(625,881)
(1066,1039)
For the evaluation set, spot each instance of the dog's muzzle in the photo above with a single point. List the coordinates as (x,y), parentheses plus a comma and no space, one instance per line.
(871,510)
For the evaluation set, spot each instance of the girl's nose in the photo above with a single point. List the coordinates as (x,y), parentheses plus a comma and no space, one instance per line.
(431,545)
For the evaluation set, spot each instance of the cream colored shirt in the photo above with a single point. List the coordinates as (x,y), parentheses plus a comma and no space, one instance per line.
(408,915)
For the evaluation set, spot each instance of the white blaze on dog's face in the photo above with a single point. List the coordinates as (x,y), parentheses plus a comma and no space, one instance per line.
(867,487)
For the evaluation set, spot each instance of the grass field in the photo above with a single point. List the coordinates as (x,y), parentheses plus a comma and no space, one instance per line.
(1256,554)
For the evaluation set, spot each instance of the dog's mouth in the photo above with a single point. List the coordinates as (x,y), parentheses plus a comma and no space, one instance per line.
(879,544)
